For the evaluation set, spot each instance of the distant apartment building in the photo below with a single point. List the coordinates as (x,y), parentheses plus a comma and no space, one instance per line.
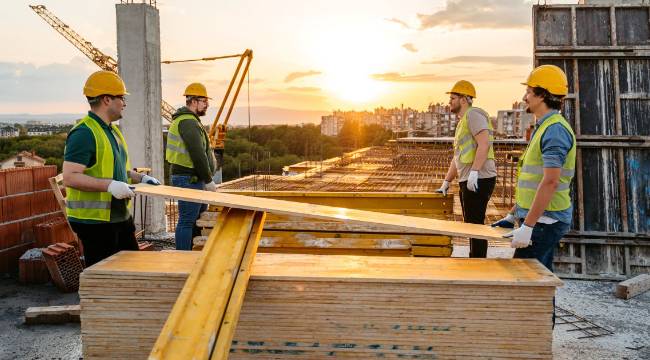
(514,122)
(330,125)
(9,131)
(439,121)
(39,130)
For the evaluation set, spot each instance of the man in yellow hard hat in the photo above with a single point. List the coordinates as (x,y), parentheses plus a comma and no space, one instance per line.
(96,173)
(473,161)
(543,206)
(192,161)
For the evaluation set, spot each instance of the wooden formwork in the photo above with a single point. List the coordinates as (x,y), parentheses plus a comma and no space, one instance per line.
(605,53)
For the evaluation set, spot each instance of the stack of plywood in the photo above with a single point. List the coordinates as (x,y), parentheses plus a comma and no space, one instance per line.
(293,234)
(311,306)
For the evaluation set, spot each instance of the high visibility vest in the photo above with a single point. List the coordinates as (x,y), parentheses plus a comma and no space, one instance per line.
(176,151)
(464,143)
(530,170)
(96,205)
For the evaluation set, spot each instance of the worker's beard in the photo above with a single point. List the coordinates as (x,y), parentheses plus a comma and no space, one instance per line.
(201,112)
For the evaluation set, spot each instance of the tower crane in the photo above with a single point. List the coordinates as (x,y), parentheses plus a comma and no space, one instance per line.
(105,62)
(217,131)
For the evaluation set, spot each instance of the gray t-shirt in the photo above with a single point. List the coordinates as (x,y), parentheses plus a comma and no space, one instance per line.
(477,121)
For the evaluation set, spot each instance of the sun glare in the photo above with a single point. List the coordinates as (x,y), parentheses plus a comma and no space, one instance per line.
(356,87)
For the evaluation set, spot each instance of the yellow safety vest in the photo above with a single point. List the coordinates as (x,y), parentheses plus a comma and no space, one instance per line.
(96,205)
(530,170)
(176,151)
(464,143)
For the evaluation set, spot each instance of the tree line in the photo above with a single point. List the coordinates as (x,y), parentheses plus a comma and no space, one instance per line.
(258,149)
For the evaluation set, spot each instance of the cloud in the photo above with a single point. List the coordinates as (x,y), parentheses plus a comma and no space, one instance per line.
(480,14)
(28,83)
(497,60)
(398,21)
(410,47)
(397,77)
(297,75)
(308,89)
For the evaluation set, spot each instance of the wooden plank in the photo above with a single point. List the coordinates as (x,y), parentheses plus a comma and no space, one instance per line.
(522,272)
(633,287)
(52,314)
(231,315)
(442,227)
(192,327)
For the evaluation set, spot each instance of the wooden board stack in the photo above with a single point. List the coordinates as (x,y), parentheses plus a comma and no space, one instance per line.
(292,234)
(311,307)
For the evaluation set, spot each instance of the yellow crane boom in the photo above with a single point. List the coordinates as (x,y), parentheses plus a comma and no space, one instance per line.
(105,62)
(217,133)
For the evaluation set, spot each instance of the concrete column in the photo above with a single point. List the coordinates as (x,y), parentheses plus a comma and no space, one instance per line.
(138,48)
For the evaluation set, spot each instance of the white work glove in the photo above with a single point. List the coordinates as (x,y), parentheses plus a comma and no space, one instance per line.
(506,222)
(146,179)
(520,237)
(443,188)
(472,181)
(120,190)
(211,186)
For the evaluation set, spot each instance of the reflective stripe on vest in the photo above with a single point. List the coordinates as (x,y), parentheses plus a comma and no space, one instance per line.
(176,151)
(464,144)
(530,172)
(96,205)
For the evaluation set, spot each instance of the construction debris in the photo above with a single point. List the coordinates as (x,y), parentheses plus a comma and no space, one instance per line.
(52,314)
(633,287)
(32,268)
(64,265)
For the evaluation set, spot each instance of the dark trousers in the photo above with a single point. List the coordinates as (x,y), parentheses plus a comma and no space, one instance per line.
(103,240)
(474,205)
(188,213)
(544,240)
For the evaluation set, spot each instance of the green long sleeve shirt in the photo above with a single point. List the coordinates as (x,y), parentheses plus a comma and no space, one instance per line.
(194,136)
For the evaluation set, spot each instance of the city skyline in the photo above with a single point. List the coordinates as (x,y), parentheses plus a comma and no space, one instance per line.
(340,55)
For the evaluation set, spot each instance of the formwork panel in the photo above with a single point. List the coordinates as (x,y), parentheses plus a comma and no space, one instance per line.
(633,75)
(639,262)
(637,182)
(553,27)
(632,26)
(602,210)
(597,97)
(593,26)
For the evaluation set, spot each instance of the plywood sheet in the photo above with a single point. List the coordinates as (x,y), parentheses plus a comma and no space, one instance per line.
(434,226)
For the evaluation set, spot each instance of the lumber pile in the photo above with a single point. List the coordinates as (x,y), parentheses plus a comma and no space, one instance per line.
(311,306)
(291,234)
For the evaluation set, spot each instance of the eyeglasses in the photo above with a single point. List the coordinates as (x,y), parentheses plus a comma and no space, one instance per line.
(121,97)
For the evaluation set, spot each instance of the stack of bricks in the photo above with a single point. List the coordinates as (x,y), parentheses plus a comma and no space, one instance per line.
(64,265)
(32,268)
(26,200)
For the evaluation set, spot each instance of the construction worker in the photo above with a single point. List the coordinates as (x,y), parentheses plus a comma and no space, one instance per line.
(96,173)
(543,206)
(473,160)
(192,161)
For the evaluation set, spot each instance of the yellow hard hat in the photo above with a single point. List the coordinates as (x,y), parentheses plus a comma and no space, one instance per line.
(196,89)
(104,83)
(463,87)
(549,77)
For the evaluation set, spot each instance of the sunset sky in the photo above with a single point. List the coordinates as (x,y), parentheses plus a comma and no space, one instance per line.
(309,55)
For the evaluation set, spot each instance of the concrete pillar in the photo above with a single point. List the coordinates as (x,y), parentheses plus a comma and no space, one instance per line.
(138,48)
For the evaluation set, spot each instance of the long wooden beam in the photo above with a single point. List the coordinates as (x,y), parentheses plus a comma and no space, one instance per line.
(202,322)
(434,226)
